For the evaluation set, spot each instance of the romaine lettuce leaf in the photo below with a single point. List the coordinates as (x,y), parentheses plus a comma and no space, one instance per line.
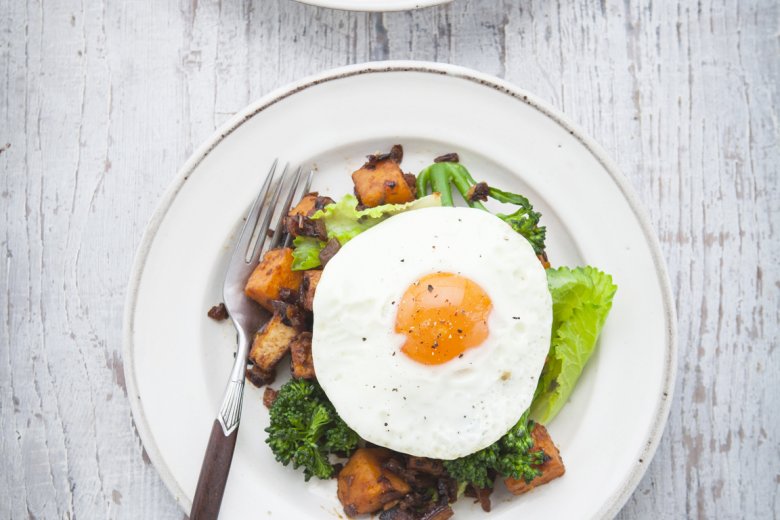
(582,298)
(306,253)
(343,221)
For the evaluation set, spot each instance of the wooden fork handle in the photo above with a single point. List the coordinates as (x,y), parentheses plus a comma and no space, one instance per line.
(213,474)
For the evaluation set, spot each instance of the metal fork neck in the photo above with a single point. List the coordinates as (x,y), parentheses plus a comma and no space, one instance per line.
(230,411)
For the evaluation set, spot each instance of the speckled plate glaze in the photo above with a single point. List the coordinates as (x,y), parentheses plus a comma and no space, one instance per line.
(177,360)
(375,5)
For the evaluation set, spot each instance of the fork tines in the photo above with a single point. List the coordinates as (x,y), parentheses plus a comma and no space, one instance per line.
(255,233)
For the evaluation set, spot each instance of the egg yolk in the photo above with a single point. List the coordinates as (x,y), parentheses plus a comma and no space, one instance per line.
(442,315)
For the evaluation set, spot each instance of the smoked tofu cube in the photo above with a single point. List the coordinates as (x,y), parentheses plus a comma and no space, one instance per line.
(273,273)
(308,286)
(271,343)
(365,486)
(300,352)
(551,469)
(259,377)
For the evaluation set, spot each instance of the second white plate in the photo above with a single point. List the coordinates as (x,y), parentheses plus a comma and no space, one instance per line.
(177,360)
(375,5)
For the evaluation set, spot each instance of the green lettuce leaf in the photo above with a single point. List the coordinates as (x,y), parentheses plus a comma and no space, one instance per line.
(306,253)
(343,221)
(582,298)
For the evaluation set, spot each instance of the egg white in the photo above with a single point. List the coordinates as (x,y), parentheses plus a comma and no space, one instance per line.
(441,411)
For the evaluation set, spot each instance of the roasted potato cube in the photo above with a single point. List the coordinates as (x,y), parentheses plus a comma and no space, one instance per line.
(273,273)
(551,469)
(306,207)
(382,182)
(308,286)
(271,343)
(302,362)
(364,486)
(310,204)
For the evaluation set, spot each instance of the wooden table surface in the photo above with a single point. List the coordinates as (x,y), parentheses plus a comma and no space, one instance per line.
(101,102)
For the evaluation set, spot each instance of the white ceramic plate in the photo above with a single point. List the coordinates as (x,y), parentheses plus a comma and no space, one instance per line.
(375,5)
(177,360)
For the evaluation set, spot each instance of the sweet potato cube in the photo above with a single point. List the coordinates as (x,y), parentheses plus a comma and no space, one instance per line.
(551,469)
(381,182)
(302,362)
(310,204)
(308,286)
(365,486)
(271,343)
(306,207)
(273,273)
(298,222)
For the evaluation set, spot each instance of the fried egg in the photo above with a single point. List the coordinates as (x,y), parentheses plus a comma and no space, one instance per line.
(430,331)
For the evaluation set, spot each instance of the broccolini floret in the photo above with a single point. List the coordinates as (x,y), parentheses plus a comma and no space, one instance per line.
(510,456)
(441,176)
(305,429)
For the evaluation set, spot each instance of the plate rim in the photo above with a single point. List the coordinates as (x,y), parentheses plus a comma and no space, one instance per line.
(383,6)
(663,405)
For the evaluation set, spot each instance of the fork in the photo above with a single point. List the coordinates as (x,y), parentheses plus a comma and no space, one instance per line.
(247,318)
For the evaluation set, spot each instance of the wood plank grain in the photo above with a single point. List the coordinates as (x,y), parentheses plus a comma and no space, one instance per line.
(101,102)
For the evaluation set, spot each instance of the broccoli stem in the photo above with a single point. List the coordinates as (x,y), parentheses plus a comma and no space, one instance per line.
(440,177)
(423,180)
(440,182)
(463,181)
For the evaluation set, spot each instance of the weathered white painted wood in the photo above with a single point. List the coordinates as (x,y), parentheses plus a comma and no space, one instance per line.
(100,103)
